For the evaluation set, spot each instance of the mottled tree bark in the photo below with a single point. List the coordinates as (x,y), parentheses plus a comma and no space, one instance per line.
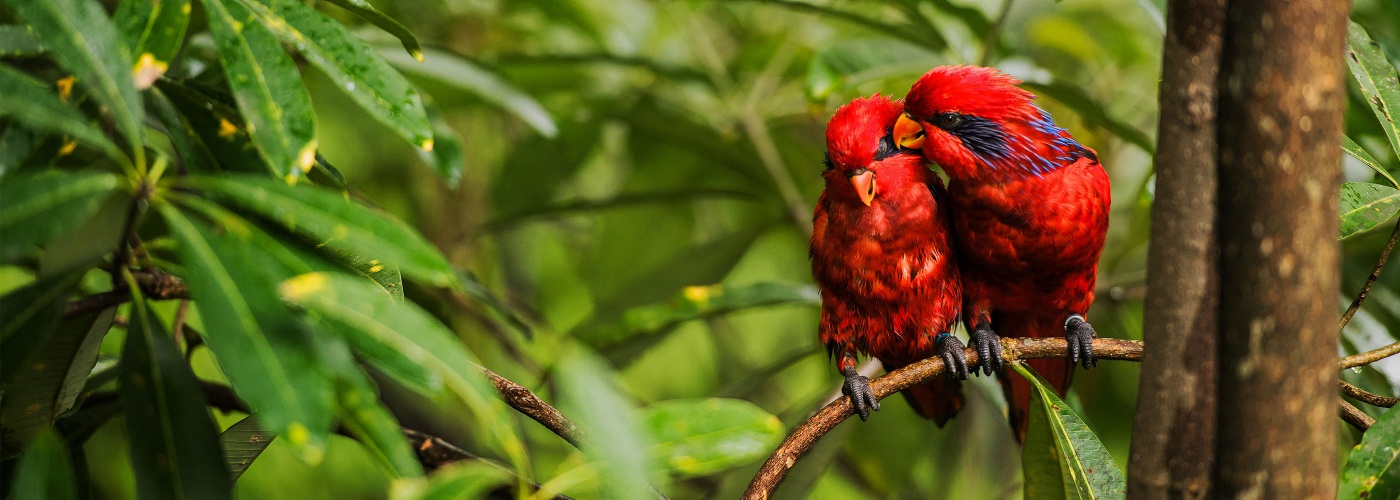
(1173,446)
(1281,96)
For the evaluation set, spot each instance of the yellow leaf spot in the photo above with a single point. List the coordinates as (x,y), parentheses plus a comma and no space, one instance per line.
(227,129)
(427,145)
(307,157)
(701,294)
(67,148)
(417,54)
(298,434)
(375,269)
(32,408)
(147,71)
(185,9)
(374,262)
(303,286)
(65,88)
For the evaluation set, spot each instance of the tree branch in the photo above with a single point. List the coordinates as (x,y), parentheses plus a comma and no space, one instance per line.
(1354,416)
(434,453)
(1371,356)
(805,436)
(155,284)
(1371,280)
(527,403)
(1367,397)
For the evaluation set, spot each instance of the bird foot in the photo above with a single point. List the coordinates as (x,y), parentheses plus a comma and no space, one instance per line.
(1080,336)
(988,346)
(857,386)
(951,350)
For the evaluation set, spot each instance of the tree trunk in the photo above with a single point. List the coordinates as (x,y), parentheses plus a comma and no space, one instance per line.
(1173,446)
(1281,97)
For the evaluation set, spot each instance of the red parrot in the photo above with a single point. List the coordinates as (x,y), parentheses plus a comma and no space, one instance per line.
(1029,211)
(884,260)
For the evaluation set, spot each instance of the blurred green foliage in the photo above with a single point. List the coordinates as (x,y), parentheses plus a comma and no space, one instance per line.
(629,184)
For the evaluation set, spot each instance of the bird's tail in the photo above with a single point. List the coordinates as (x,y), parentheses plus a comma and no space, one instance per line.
(1058,372)
(939,399)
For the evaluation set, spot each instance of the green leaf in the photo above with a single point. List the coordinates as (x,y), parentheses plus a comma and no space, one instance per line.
(697,437)
(267,87)
(1373,467)
(698,302)
(154,31)
(83,40)
(388,24)
(1365,206)
(1091,112)
(219,134)
(35,209)
(84,246)
(331,220)
(404,339)
(457,72)
(18,40)
(1378,81)
(351,64)
(49,384)
(460,480)
(1356,151)
(34,310)
(242,442)
(1062,456)
(589,395)
(45,471)
(34,104)
(365,417)
(174,444)
(268,356)
(848,64)
(447,156)
(184,138)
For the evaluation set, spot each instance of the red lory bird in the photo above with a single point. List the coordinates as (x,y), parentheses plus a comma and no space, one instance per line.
(884,259)
(1029,210)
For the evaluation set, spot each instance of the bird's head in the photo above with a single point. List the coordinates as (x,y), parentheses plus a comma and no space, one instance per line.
(861,154)
(976,123)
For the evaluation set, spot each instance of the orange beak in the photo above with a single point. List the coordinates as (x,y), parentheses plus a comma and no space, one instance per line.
(865,186)
(908,133)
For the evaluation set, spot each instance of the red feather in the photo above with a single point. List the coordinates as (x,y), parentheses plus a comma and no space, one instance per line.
(1029,209)
(887,271)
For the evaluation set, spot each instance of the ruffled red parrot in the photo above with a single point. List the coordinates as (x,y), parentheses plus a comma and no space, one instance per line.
(884,260)
(1029,209)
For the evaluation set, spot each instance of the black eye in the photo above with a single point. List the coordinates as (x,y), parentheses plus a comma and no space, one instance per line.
(947,121)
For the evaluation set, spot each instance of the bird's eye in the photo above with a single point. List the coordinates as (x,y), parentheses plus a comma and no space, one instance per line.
(947,121)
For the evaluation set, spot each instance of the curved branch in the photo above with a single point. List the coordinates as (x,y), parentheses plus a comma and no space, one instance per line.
(1369,398)
(1371,356)
(805,436)
(527,403)
(1357,418)
(1371,280)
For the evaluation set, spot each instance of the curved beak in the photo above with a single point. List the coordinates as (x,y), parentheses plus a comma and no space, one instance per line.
(864,183)
(908,133)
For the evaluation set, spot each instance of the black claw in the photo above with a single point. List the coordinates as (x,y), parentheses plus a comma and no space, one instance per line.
(988,349)
(857,387)
(1080,336)
(951,350)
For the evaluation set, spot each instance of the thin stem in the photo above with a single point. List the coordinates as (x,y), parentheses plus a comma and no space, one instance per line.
(989,42)
(1369,398)
(1371,280)
(1358,419)
(1371,356)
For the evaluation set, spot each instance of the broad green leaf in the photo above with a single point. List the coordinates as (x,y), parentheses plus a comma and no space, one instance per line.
(242,442)
(850,63)
(351,64)
(460,480)
(1062,456)
(154,31)
(331,220)
(363,9)
(49,384)
(386,275)
(174,443)
(84,246)
(30,102)
(35,209)
(589,395)
(365,417)
(81,37)
(447,157)
(268,356)
(1373,467)
(34,310)
(457,72)
(698,302)
(1365,206)
(395,334)
(1356,151)
(222,137)
(697,437)
(267,87)
(45,470)
(1378,81)
(1091,112)
(18,40)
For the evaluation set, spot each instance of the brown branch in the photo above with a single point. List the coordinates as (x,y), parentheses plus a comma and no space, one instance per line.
(1371,356)
(1371,280)
(1369,398)
(527,403)
(156,285)
(806,435)
(434,453)
(1358,419)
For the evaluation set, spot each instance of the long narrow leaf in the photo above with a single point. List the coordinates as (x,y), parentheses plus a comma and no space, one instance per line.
(1062,457)
(242,442)
(35,209)
(1373,467)
(30,102)
(45,470)
(1365,206)
(85,42)
(1356,151)
(351,64)
(388,24)
(267,86)
(1378,81)
(453,70)
(18,40)
(154,32)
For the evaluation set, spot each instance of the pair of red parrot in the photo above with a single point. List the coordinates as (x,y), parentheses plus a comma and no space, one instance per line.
(1011,246)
